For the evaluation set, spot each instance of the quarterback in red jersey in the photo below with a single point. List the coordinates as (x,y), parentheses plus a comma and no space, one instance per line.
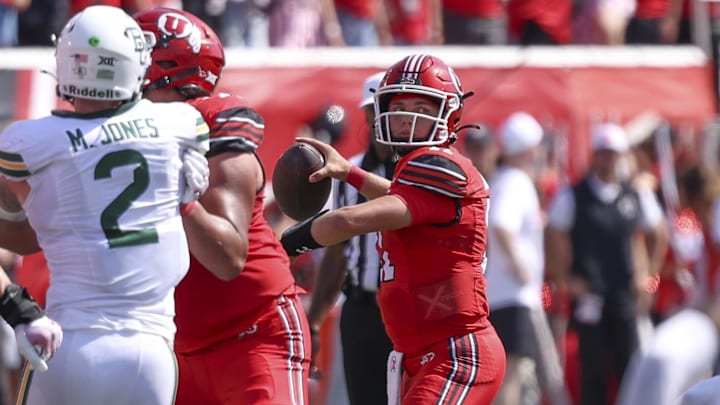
(241,328)
(432,219)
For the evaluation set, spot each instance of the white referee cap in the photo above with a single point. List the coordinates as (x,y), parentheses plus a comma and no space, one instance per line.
(371,84)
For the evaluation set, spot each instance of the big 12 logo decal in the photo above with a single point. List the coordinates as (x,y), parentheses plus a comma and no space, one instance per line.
(177,26)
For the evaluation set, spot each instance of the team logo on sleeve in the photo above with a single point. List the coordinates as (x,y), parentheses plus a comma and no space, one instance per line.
(177,26)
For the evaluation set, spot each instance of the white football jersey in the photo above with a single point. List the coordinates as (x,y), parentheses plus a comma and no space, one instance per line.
(104,202)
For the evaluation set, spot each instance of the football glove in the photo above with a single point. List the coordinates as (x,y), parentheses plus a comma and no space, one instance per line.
(38,340)
(197,175)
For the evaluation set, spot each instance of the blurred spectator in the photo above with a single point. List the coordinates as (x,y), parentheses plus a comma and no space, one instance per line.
(551,166)
(540,22)
(356,23)
(328,126)
(601,21)
(684,348)
(515,267)
(415,22)
(655,22)
(237,22)
(479,22)
(245,23)
(39,22)
(130,6)
(296,24)
(9,10)
(594,240)
(206,11)
(479,146)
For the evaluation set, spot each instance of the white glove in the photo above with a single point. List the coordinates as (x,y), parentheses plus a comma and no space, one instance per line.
(197,175)
(38,340)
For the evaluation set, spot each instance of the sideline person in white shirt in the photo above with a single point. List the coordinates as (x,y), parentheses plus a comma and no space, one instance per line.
(516,266)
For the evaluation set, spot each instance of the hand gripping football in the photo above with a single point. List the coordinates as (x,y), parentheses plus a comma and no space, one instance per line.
(296,196)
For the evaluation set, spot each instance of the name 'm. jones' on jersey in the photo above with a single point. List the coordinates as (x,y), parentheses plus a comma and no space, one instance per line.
(116,132)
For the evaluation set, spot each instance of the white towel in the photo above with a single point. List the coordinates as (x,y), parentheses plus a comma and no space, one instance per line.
(394,377)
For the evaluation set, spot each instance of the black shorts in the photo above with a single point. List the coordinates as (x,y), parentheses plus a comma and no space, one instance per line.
(515,329)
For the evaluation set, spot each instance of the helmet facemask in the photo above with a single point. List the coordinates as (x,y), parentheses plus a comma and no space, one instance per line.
(438,132)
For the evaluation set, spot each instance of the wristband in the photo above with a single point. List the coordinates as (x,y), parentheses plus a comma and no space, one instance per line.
(297,239)
(186,209)
(18,307)
(356,177)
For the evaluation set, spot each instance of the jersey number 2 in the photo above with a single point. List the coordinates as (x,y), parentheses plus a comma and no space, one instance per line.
(109,218)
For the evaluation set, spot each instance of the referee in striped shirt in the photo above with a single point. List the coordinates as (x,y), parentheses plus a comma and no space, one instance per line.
(365,344)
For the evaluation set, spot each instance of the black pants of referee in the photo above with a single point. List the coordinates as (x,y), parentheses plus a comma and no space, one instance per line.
(365,350)
(614,338)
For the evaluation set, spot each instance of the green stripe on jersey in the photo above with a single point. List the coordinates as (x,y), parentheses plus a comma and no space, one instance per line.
(11,157)
(14,173)
(203,137)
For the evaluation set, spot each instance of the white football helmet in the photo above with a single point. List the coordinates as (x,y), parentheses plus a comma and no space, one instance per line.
(101,55)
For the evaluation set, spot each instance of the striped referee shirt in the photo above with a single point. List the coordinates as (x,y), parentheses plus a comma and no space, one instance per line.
(362,260)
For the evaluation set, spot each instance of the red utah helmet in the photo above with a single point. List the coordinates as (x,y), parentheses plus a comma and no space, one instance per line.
(425,76)
(186,53)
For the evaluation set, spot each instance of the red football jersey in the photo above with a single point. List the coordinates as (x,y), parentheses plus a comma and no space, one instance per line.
(652,8)
(475,9)
(210,310)
(433,284)
(410,21)
(366,9)
(553,16)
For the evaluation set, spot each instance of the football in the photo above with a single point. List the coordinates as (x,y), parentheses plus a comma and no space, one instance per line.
(295,195)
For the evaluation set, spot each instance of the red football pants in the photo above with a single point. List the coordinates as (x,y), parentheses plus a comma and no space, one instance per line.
(462,370)
(266,365)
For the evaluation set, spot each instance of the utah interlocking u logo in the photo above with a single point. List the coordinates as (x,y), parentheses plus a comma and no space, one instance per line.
(427,358)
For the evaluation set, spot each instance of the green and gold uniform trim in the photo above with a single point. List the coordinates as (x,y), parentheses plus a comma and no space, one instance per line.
(13,165)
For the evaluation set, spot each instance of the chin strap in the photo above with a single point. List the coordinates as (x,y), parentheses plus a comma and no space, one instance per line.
(165,81)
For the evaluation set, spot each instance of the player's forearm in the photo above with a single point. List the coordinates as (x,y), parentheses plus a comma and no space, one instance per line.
(216,244)
(18,237)
(329,281)
(507,243)
(641,258)
(558,254)
(658,243)
(375,186)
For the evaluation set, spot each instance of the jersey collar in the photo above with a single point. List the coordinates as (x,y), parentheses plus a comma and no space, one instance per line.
(98,114)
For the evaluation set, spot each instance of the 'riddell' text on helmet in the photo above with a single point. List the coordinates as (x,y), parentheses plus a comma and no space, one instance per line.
(422,76)
(88,92)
